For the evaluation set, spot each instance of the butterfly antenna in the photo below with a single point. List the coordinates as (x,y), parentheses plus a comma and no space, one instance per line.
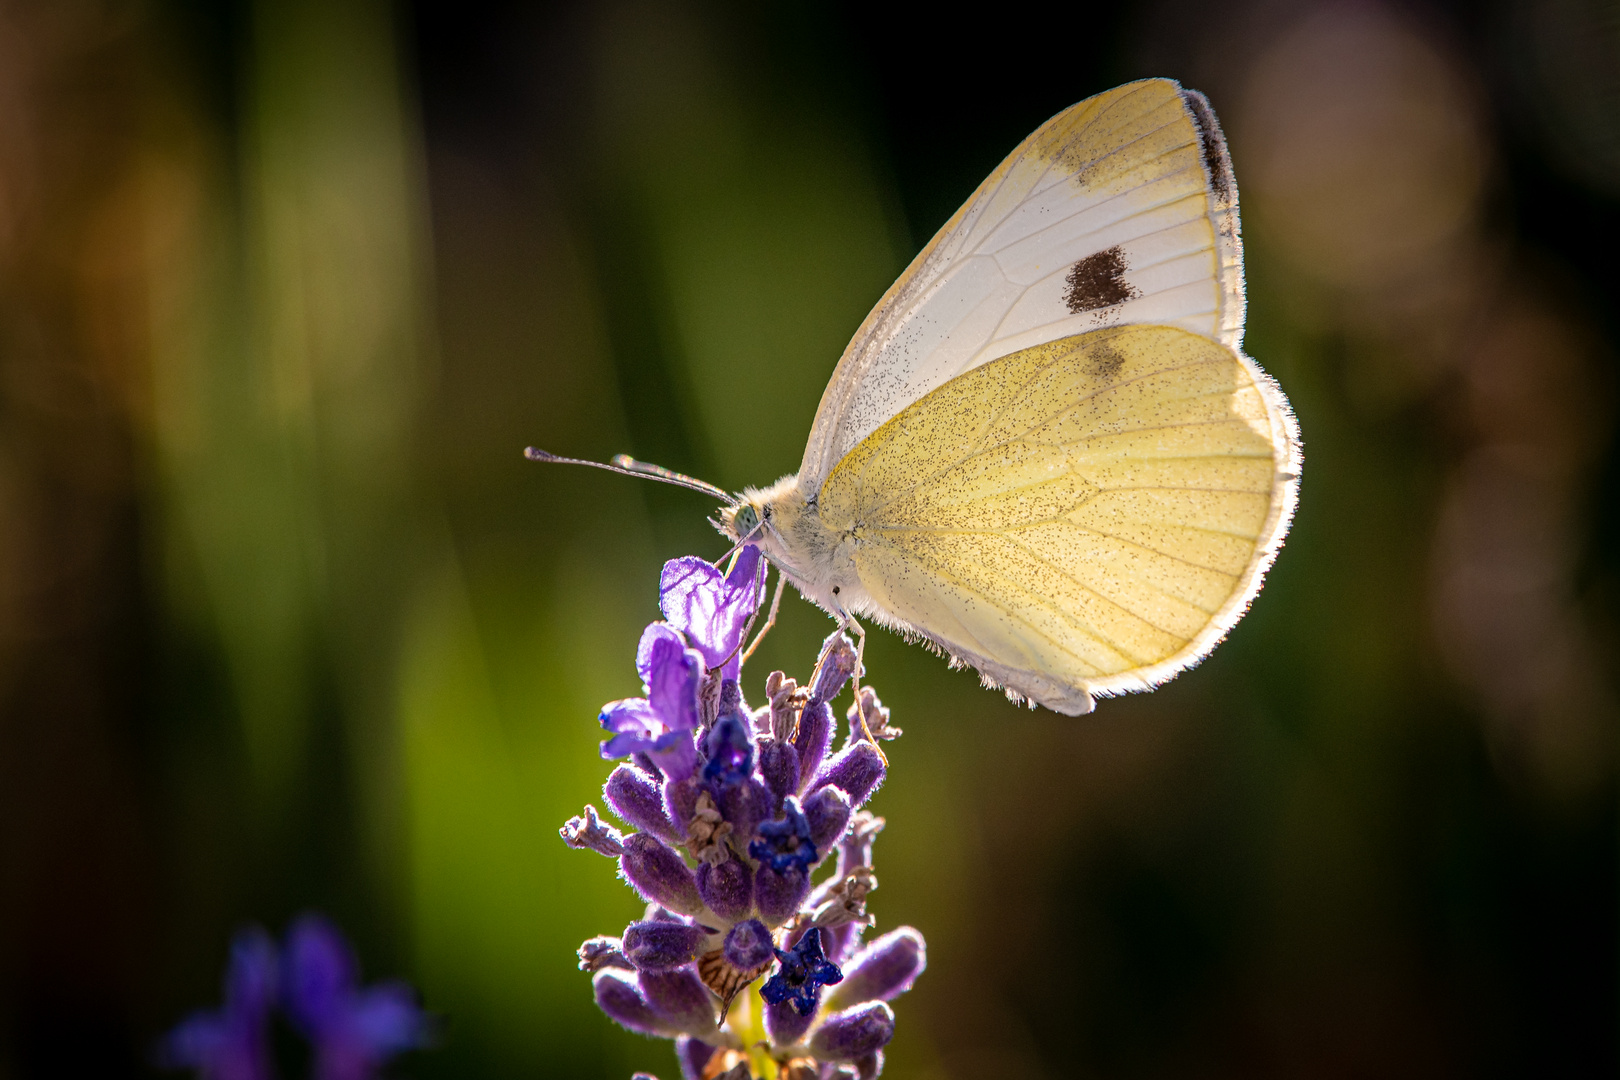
(629,466)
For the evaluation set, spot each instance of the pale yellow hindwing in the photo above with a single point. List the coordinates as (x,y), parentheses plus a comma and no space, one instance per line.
(1091,513)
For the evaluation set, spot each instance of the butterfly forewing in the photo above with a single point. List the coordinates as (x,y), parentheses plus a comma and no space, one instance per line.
(1120,210)
(1087,515)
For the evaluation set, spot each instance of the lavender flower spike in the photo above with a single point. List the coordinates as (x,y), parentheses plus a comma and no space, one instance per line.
(231,1043)
(354,1030)
(734,810)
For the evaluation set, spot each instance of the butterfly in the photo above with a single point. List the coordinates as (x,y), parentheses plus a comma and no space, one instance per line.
(1044,452)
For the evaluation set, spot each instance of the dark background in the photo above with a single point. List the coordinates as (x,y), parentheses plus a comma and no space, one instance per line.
(287,623)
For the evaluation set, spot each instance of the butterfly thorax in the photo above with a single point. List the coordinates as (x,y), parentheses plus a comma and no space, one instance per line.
(789,530)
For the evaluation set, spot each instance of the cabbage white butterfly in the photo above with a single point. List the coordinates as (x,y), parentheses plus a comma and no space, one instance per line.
(1044,451)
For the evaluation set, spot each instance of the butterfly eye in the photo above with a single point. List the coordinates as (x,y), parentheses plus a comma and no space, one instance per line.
(745,521)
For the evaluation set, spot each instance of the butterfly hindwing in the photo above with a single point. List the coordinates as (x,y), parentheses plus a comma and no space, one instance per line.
(1087,515)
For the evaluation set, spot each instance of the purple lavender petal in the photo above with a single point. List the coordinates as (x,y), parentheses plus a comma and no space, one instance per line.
(655,633)
(618,995)
(778,895)
(680,999)
(656,945)
(658,874)
(712,611)
(784,1024)
(854,1033)
(833,668)
(813,738)
(748,945)
(857,769)
(672,689)
(728,888)
(633,724)
(883,970)
(694,1055)
(828,813)
(779,768)
(636,798)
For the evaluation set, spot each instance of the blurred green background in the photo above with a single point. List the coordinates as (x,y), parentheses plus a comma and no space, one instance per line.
(286,622)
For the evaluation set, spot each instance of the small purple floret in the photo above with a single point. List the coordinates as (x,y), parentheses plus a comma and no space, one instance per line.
(785,1024)
(638,800)
(804,970)
(748,945)
(680,999)
(656,945)
(813,738)
(827,812)
(779,767)
(854,1033)
(785,844)
(727,887)
(857,769)
(618,995)
(656,872)
(883,970)
(833,669)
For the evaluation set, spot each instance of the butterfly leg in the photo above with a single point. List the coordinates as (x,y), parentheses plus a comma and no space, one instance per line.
(770,620)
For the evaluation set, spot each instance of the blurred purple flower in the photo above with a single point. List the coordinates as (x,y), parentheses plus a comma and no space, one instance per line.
(231,1043)
(353,1030)
(660,724)
(711,609)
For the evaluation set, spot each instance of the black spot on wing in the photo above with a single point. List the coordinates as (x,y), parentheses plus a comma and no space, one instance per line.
(1098,281)
(1216,162)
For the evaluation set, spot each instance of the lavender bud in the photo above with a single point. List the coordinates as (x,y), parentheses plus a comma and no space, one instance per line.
(828,812)
(680,802)
(618,995)
(779,766)
(657,946)
(634,796)
(813,738)
(857,769)
(854,1033)
(647,765)
(870,1066)
(842,940)
(748,945)
(778,895)
(883,970)
(658,874)
(833,668)
(680,1000)
(784,1024)
(694,1055)
(727,887)
(745,805)
(587,831)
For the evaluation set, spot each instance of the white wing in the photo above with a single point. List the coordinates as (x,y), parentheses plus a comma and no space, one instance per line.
(1121,209)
